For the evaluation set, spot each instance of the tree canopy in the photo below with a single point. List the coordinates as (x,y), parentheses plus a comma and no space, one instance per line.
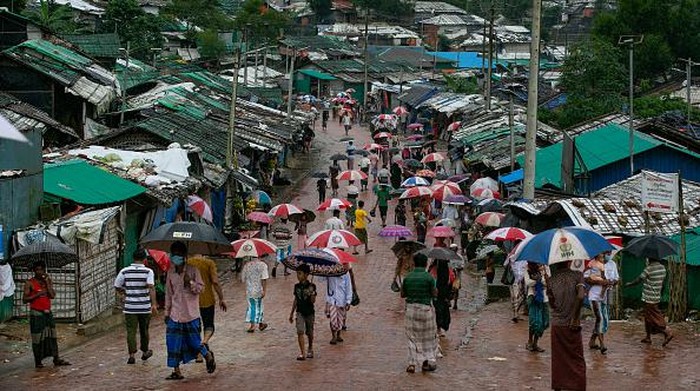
(260,23)
(135,26)
(57,18)
(202,14)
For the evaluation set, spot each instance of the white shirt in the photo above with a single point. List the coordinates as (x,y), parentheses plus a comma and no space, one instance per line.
(339,290)
(7,283)
(334,223)
(254,272)
(450,212)
(595,291)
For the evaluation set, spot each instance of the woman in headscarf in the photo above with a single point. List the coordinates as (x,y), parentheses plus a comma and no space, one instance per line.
(445,277)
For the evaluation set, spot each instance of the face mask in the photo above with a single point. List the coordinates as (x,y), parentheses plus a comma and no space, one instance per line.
(608,257)
(177,260)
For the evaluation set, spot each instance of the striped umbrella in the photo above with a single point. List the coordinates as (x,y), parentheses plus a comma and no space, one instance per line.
(284,210)
(454,126)
(333,238)
(415,181)
(441,231)
(334,203)
(508,234)
(382,135)
(371,146)
(342,256)
(484,183)
(457,199)
(400,110)
(252,248)
(386,117)
(433,157)
(562,245)
(426,173)
(414,137)
(444,189)
(351,175)
(482,193)
(490,219)
(260,217)
(200,207)
(418,191)
(395,231)
(414,126)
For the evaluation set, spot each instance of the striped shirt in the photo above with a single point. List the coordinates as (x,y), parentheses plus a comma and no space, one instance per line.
(653,276)
(136,280)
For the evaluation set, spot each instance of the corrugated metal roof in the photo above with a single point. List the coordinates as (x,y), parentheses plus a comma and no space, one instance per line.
(417,95)
(316,74)
(437,7)
(25,117)
(445,20)
(81,182)
(97,45)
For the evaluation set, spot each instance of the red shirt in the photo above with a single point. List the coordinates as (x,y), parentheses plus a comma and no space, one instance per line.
(41,303)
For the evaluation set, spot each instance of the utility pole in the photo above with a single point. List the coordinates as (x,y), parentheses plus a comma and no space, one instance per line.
(631,40)
(511,124)
(489,71)
(291,82)
(231,154)
(366,67)
(127,53)
(689,77)
(532,100)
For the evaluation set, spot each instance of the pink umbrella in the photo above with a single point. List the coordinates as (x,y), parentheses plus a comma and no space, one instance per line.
(454,126)
(252,248)
(415,126)
(441,231)
(284,210)
(426,173)
(260,217)
(418,191)
(415,137)
(481,193)
(200,207)
(395,231)
(400,110)
(351,175)
(485,183)
(444,189)
(490,219)
(333,238)
(334,203)
(340,255)
(433,157)
(371,146)
(508,234)
(382,135)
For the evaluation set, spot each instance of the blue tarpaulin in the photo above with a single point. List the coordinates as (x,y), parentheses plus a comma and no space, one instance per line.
(464,60)
(514,176)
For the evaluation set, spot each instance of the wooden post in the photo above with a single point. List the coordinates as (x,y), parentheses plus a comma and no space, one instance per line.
(677,298)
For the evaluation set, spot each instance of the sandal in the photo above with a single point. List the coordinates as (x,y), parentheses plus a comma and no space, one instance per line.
(646,340)
(301,357)
(175,376)
(528,347)
(603,349)
(251,330)
(310,354)
(537,349)
(211,363)
(60,362)
(667,340)
(262,326)
(411,369)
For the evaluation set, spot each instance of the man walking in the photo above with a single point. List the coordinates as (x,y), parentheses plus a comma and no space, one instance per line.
(383,193)
(334,222)
(321,185)
(182,334)
(136,282)
(338,299)
(282,238)
(347,122)
(207,301)
(565,290)
(653,277)
(419,289)
(350,151)
(361,221)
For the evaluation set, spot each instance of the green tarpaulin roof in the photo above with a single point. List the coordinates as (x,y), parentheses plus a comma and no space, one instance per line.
(83,183)
(317,74)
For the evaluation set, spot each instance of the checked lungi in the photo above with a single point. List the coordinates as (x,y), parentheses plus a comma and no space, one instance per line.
(421,331)
(254,314)
(654,320)
(568,362)
(183,342)
(43,330)
(338,316)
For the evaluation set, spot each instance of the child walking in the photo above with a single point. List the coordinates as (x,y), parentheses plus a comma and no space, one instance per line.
(303,306)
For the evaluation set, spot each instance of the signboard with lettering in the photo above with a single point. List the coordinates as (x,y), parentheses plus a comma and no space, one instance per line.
(659,192)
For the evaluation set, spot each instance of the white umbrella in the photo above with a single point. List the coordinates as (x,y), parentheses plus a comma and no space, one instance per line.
(9,132)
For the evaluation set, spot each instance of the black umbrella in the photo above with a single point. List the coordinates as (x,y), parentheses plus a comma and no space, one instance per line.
(652,246)
(441,176)
(310,216)
(440,253)
(339,156)
(199,238)
(412,163)
(394,149)
(491,205)
(320,175)
(52,252)
(361,152)
(411,144)
(407,246)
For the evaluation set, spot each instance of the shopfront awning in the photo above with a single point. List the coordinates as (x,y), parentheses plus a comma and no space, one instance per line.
(317,74)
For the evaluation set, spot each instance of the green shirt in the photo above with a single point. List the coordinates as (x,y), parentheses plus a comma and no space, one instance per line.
(383,194)
(418,287)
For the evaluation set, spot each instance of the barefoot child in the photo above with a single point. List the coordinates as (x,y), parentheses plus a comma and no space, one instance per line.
(304,299)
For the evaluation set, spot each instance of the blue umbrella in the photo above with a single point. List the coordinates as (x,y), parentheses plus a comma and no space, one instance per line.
(261,197)
(415,181)
(562,245)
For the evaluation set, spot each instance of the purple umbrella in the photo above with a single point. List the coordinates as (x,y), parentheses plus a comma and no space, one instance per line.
(395,231)
(457,199)
(458,178)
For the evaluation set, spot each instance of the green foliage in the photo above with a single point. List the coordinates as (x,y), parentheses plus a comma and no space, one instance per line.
(261,24)
(322,9)
(209,44)
(461,85)
(16,6)
(140,29)
(204,14)
(443,44)
(653,106)
(57,18)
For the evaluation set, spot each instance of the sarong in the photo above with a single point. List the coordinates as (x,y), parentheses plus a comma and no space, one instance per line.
(338,315)
(361,234)
(421,332)
(538,316)
(183,342)
(654,319)
(442,313)
(568,362)
(602,317)
(254,314)
(43,329)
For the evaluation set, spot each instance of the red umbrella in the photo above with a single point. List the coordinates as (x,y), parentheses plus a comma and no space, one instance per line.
(382,135)
(415,126)
(425,173)
(200,207)
(508,234)
(454,126)
(260,217)
(341,255)
(334,203)
(433,157)
(284,210)
(252,248)
(400,110)
(162,259)
(351,175)
(418,191)
(482,193)
(249,234)
(386,117)
(371,146)
(415,137)
(490,219)
(444,189)
(333,238)
(442,231)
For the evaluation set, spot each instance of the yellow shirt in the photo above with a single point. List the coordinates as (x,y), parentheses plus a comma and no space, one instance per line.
(360,218)
(207,269)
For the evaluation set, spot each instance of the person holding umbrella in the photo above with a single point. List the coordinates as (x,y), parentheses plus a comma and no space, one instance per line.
(182,318)
(653,278)
(338,298)
(38,292)
(333,172)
